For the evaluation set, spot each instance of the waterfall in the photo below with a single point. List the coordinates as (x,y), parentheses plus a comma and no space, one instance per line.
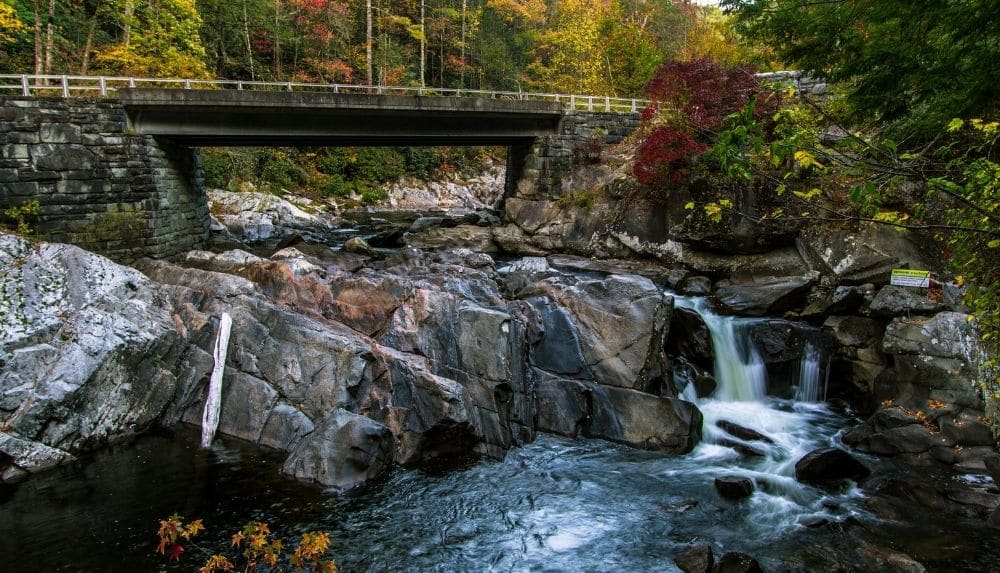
(739,369)
(812,375)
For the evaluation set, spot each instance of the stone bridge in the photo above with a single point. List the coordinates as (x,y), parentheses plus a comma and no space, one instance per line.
(122,176)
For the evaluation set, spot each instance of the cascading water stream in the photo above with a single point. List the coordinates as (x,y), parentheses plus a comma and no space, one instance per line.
(812,375)
(791,428)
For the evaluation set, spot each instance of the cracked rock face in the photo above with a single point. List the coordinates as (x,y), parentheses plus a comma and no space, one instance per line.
(86,352)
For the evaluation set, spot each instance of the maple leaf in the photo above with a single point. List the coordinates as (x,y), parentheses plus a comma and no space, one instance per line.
(175,552)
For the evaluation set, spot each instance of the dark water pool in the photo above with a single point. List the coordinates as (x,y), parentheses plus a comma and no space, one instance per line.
(555,505)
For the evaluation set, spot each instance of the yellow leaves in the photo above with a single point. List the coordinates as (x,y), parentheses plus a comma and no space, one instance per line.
(894,217)
(807,159)
(217,563)
(311,548)
(955,125)
(9,24)
(808,195)
(689,205)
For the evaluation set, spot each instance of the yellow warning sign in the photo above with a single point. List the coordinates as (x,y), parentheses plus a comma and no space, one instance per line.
(910,278)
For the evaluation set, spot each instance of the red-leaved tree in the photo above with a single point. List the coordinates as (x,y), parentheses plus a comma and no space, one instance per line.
(690,103)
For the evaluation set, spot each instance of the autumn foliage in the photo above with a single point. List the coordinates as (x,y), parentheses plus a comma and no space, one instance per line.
(690,102)
(257,546)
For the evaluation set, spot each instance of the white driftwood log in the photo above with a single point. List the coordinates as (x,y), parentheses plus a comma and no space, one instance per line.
(210,417)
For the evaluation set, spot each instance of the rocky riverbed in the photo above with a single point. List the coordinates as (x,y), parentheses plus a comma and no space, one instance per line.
(422,350)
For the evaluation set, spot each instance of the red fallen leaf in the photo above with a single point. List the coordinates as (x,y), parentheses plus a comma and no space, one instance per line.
(175,552)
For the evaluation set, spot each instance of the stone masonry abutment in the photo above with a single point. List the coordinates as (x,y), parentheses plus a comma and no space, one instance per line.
(99,185)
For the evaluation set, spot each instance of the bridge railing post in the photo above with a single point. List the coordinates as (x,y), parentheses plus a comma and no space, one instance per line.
(187,84)
(25,85)
(590,103)
(633,106)
(64,81)
(607,103)
(239,85)
(102,83)
(131,82)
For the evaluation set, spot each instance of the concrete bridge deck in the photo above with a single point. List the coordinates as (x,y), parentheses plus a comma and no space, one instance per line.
(249,118)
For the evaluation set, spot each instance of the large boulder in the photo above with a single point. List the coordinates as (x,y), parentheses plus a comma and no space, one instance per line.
(87,351)
(345,451)
(865,254)
(474,237)
(771,295)
(254,217)
(828,465)
(614,328)
(638,419)
(945,335)
(892,301)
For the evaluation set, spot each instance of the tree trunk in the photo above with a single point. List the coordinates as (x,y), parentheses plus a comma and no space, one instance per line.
(50,36)
(461,81)
(38,38)
(246,36)
(88,45)
(423,45)
(127,28)
(277,39)
(368,40)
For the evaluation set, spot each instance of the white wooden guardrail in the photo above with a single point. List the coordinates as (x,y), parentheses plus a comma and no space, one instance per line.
(106,86)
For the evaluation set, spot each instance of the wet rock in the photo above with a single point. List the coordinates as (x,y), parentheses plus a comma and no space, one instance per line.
(644,421)
(697,559)
(689,337)
(992,464)
(696,286)
(892,301)
(681,506)
(742,432)
(829,464)
(345,451)
(813,521)
(883,559)
(734,487)
(734,562)
(742,449)
(854,331)
(773,295)
(359,246)
(684,373)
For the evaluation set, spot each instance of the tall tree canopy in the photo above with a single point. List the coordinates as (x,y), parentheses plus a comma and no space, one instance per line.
(598,47)
(913,65)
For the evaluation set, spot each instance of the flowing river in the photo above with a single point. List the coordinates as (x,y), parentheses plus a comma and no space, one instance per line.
(554,505)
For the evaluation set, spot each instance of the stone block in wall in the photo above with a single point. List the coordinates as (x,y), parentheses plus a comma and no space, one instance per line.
(61,132)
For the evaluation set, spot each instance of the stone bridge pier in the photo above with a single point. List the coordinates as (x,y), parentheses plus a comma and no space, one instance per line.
(122,176)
